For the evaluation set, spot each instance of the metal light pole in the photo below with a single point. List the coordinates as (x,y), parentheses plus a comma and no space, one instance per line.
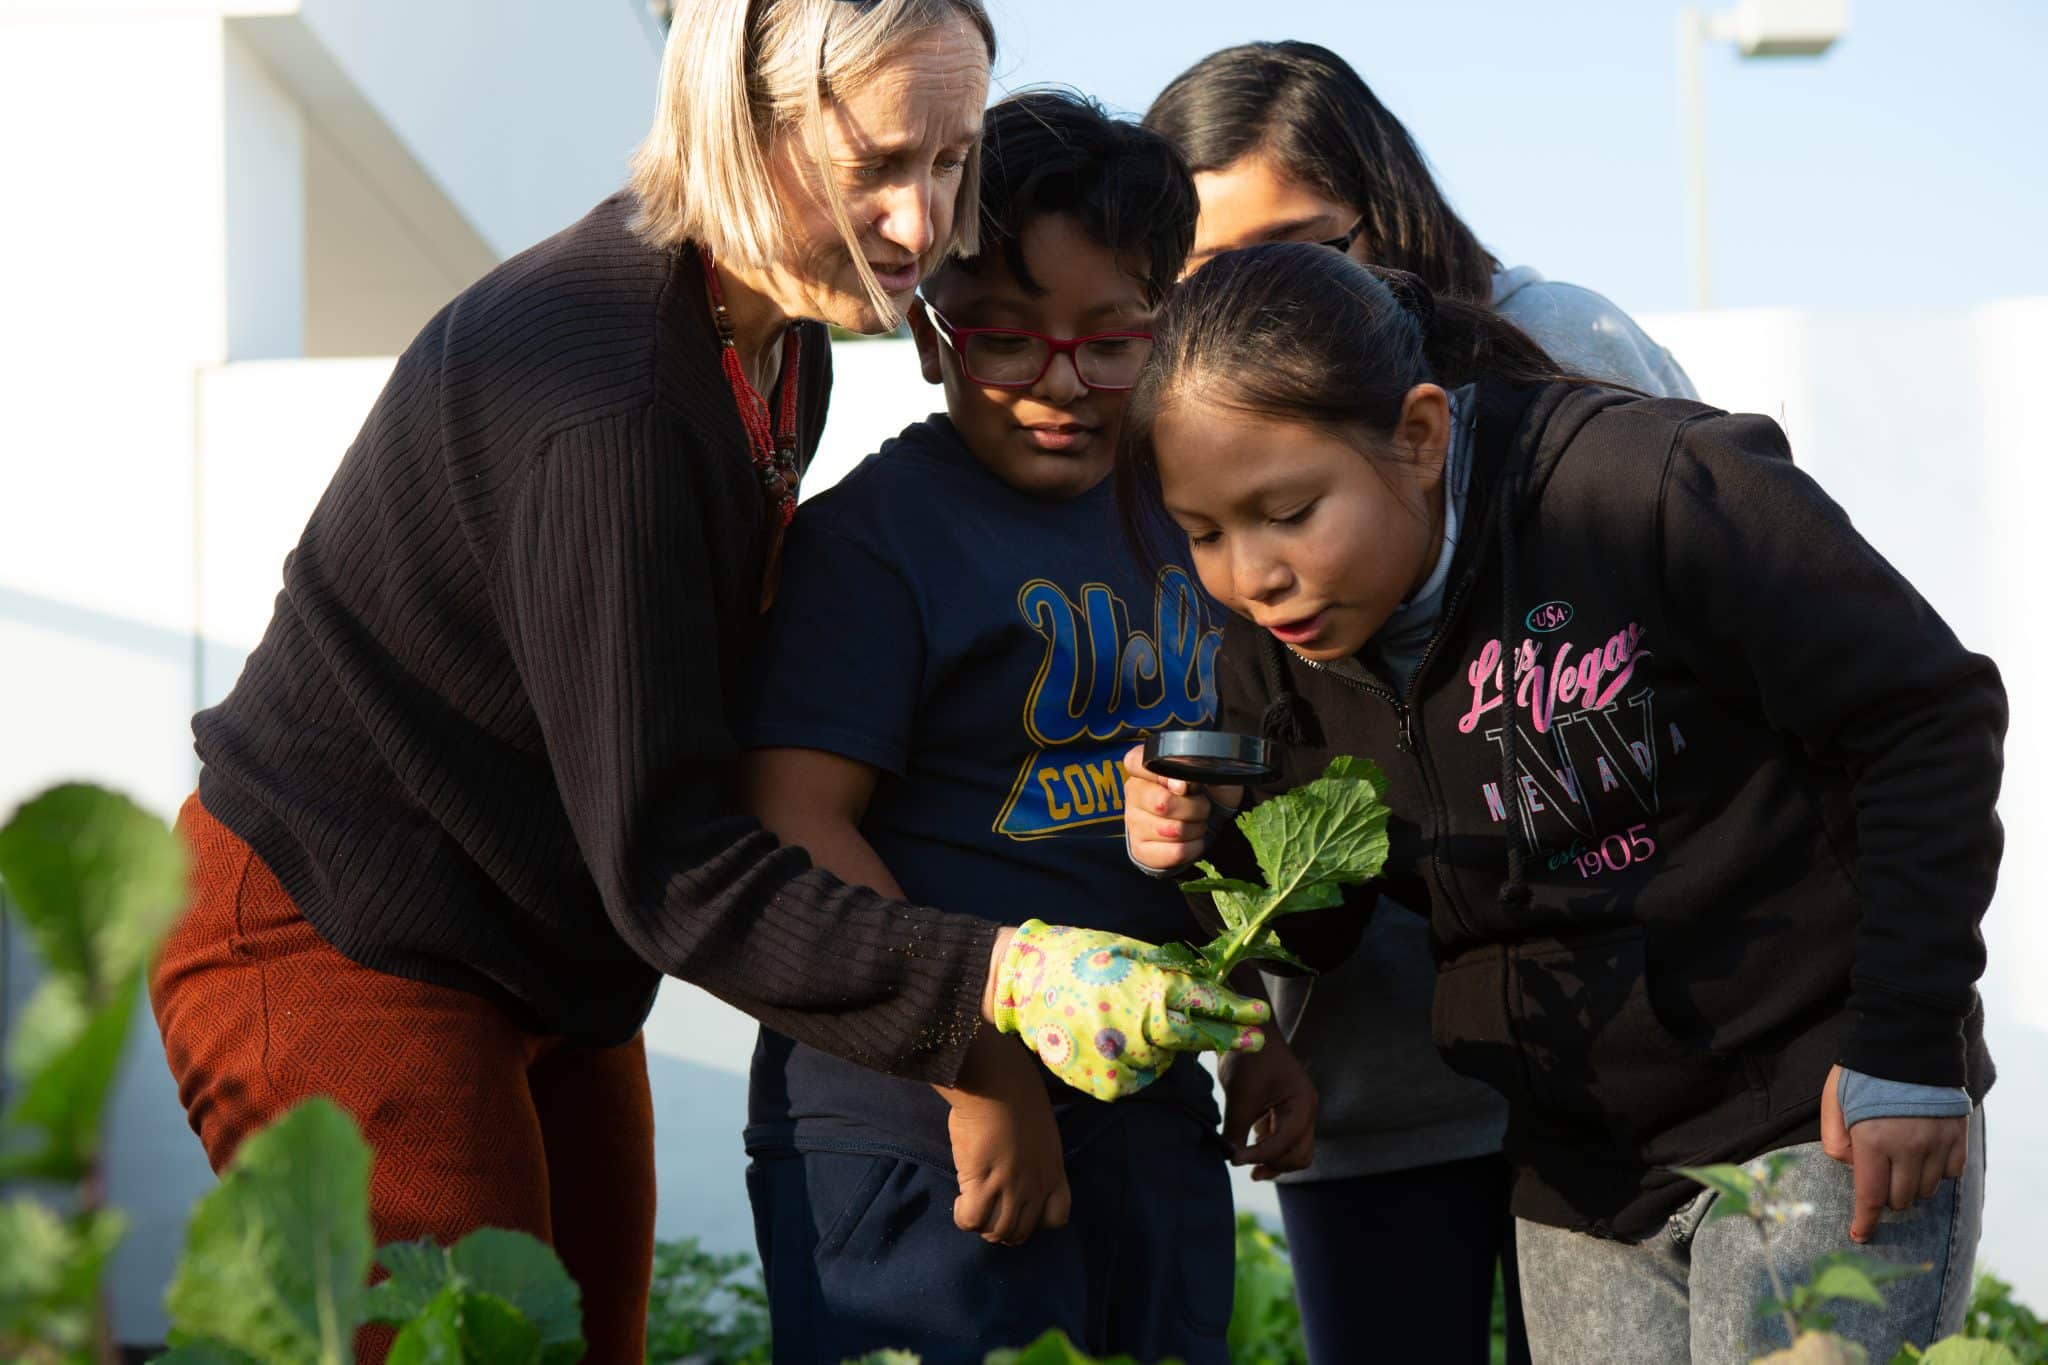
(1758,28)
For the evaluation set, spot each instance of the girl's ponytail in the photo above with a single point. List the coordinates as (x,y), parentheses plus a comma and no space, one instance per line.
(1463,341)
(1296,332)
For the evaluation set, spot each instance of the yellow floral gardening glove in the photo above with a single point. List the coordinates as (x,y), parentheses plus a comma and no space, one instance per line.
(1104,1019)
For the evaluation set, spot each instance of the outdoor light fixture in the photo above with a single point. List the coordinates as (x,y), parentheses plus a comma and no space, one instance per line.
(1758,28)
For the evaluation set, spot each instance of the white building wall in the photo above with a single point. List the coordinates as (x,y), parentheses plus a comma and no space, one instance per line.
(264,207)
(523,111)
(113,271)
(115,285)
(194,182)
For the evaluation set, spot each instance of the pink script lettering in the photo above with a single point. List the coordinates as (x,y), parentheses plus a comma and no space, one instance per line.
(1589,683)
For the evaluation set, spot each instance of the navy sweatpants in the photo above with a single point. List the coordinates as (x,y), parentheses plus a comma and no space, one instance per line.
(861,1253)
(1399,1267)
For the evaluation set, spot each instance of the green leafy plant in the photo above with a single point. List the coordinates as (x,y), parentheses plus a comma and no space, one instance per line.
(277,1257)
(1053,1349)
(1753,1191)
(1995,1316)
(1265,1320)
(1310,843)
(95,880)
(706,1307)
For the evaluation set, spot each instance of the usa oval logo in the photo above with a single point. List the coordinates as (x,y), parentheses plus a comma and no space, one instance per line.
(1548,617)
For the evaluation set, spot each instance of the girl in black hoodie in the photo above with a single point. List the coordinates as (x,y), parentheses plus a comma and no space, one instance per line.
(1698,791)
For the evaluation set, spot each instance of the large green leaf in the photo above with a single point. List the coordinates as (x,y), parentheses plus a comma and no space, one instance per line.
(65,1092)
(1331,830)
(275,1257)
(489,1270)
(1855,1276)
(417,1272)
(1310,843)
(461,1327)
(96,878)
(526,1274)
(496,1333)
(434,1336)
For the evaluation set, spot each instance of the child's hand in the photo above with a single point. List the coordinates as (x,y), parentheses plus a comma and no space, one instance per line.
(1896,1161)
(1268,1095)
(1166,820)
(1006,1145)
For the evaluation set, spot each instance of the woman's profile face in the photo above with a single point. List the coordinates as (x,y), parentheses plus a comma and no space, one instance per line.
(896,149)
(1251,202)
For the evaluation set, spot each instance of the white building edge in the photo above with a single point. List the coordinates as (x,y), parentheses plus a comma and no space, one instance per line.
(236,213)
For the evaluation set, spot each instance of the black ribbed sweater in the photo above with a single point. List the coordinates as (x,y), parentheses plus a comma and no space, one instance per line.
(484,741)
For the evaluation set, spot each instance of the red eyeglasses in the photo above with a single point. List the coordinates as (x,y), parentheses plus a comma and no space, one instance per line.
(1012,358)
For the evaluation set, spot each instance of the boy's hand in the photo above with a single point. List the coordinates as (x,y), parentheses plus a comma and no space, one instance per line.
(1267,1096)
(1166,820)
(1896,1161)
(1006,1145)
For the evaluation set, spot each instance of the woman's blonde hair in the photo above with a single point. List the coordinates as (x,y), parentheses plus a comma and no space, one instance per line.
(737,72)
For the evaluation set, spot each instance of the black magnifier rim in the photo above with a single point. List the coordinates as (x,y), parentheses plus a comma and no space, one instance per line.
(1210,756)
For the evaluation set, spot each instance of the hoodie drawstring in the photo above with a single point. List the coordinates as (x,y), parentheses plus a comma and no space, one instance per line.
(1514,892)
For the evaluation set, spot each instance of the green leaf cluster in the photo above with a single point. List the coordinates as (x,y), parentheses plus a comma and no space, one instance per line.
(1995,1316)
(1054,1349)
(705,1306)
(1265,1320)
(277,1256)
(1994,1328)
(1310,843)
(1838,1277)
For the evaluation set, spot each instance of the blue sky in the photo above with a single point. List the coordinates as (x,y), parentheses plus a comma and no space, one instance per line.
(1902,171)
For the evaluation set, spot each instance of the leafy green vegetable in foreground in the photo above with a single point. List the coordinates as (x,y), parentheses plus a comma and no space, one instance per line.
(1311,843)
(276,1259)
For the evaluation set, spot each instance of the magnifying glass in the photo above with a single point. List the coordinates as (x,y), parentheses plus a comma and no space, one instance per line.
(1212,756)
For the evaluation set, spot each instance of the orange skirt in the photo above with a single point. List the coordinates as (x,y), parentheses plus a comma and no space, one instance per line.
(472,1121)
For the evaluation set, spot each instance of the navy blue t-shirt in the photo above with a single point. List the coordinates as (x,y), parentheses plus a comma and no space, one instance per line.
(992,655)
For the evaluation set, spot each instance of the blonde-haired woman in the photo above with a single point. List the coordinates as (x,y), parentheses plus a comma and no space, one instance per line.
(472,794)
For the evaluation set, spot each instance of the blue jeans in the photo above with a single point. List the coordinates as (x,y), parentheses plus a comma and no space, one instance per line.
(860,1253)
(1689,1291)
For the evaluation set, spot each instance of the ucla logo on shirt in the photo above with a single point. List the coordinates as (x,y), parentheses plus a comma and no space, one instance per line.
(1102,684)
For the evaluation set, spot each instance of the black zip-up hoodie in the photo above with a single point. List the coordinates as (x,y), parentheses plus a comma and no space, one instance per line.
(1725,818)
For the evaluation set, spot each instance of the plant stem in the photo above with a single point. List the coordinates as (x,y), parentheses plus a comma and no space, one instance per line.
(1778,1286)
(1234,954)
(92,1198)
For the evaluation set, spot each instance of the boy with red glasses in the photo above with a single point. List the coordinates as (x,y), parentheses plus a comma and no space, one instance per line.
(960,651)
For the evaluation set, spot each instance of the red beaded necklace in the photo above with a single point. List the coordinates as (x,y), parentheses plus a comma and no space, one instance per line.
(773,450)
